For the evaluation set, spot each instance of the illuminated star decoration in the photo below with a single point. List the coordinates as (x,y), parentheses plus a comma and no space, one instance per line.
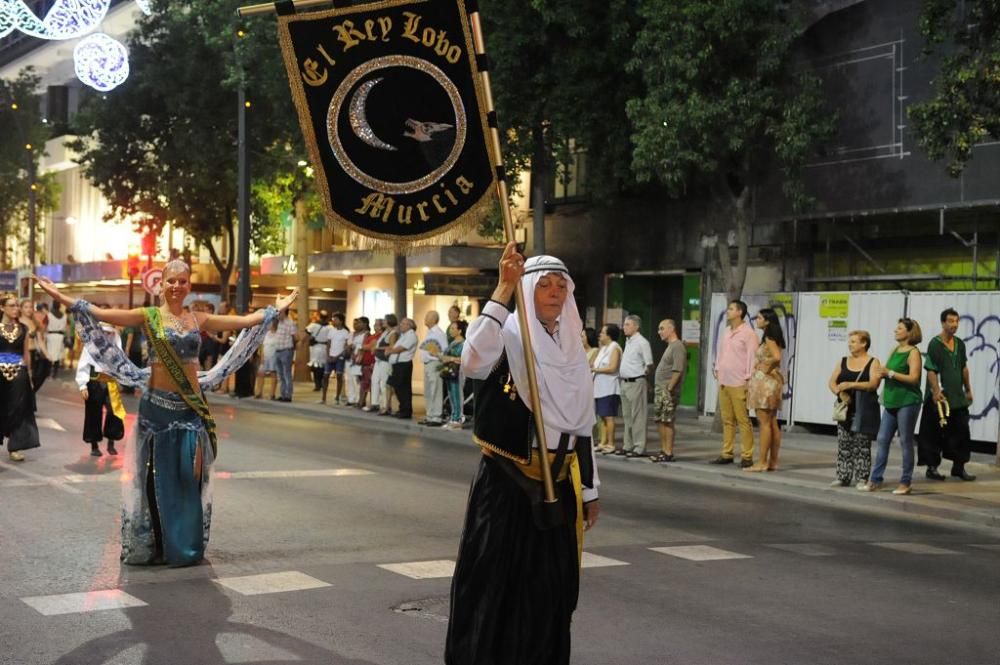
(100,62)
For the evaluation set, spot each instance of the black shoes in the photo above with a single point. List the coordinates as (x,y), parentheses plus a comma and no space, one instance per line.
(111,448)
(933,473)
(95,451)
(960,472)
(746,463)
(722,460)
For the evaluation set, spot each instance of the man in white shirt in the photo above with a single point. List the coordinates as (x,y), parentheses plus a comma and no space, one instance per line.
(435,342)
(637,361)
(317,349)
(401,359)
(336,337)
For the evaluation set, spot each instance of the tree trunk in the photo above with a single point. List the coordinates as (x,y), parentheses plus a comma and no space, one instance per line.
(225,268)
(302,282)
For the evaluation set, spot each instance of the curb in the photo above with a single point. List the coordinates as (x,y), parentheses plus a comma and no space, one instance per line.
(879,503)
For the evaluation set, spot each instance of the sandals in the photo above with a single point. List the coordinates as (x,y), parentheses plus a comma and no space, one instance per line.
(619,452)
(661,458)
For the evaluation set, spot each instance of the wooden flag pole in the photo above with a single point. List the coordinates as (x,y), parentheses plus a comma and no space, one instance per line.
(508,229)
(269,7)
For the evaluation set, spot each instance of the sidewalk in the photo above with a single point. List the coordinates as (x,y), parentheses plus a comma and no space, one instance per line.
(807,464)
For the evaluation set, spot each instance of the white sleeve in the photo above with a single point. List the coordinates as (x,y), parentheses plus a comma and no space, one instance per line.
(589,494)
(484,341)
(647,354)
(83,369)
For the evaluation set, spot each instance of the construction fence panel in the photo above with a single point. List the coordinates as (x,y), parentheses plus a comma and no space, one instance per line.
(824,323)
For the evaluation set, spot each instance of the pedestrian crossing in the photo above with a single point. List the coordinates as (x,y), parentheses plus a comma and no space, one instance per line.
(292,581)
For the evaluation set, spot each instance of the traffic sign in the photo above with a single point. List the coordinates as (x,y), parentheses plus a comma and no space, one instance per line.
(151,281)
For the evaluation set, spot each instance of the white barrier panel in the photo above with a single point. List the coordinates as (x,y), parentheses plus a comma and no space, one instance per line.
(824,319)
(784,305)
(980,329)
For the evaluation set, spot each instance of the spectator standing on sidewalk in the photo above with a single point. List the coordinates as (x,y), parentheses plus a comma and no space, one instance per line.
(451,361)
(268,363)
(733,366)
(55,337)
(901,399)
(352,367)
(764,391)
(667,383)
(401,358)
(284,354)
(434,344)
(855,380)
(317,348)
(607,389)
(376,382)
(336,337)
(637,361)
(383,366)
(948,384)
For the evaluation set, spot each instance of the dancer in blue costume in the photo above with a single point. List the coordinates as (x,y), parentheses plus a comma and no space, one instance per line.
(167,472)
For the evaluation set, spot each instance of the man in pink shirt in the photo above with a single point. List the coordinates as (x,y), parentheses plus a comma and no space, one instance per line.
(733,366)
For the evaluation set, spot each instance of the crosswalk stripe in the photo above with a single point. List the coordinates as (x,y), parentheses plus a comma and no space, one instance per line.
(598,561)
(699,553)
(49,423)
(255,585)
(805,549)
(76,603)
(915,548)
(422,570)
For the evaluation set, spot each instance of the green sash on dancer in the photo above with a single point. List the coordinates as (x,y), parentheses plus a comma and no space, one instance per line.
(157,336)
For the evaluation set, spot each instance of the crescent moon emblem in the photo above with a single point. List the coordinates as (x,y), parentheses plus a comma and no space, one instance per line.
(359,119)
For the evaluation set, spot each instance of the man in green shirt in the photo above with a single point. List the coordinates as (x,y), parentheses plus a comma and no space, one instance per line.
(948,383)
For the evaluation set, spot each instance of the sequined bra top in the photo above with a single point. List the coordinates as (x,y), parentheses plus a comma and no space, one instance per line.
(12,339)
(186,344)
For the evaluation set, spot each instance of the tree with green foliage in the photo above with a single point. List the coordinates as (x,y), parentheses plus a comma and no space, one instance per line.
(558,72)
(162,147)
(21,118)
(965,107)
(725,101)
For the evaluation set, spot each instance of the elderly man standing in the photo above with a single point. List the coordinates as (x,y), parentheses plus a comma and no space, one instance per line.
(434,344)
(401,360)
(517,576)
(637,360)
(733,367)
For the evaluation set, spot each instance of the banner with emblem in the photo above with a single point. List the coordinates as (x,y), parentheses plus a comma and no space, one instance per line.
(391,107)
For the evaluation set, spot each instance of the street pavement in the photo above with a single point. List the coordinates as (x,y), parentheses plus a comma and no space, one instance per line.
(334,536)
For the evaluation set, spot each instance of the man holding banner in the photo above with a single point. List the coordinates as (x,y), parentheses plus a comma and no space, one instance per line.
(518,571)
(395,107)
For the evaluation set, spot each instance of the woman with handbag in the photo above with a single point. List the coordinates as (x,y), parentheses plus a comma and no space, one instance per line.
(855,382)
(451,365)
(901,398)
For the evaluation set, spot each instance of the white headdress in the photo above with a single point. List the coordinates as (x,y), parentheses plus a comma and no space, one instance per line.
(564,382)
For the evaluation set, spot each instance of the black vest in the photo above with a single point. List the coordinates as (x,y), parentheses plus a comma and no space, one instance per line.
(505,426)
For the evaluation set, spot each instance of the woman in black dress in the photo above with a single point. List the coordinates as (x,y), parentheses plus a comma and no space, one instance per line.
(17,400)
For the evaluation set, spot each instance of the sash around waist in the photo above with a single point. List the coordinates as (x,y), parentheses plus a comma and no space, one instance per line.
(533,469)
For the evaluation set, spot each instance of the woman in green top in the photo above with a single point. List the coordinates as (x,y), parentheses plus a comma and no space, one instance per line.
(901,399)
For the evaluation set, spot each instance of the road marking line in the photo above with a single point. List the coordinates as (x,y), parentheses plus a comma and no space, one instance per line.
(255,585)
(76,603)
(805,549)
(700,553)
(63,482)
(308,473)
(598,561)
(915,548)
(49,423)
(59,484)
(422,570)
(994,547)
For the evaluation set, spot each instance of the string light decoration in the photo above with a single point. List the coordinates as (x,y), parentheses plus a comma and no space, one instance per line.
(101,62)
